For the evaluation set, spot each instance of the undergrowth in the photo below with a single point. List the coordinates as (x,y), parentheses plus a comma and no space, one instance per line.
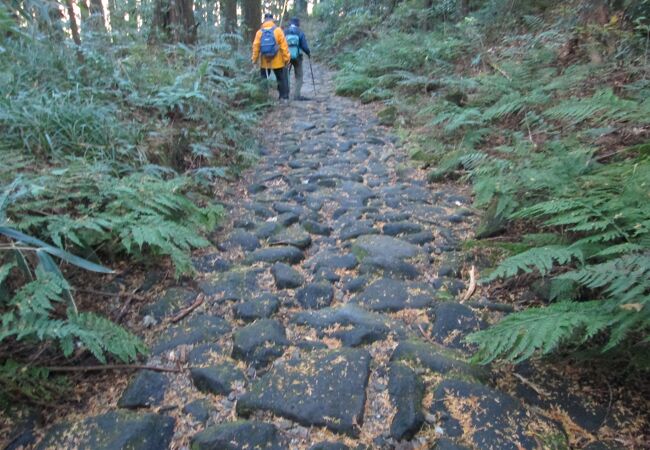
(111,152)
(545,108)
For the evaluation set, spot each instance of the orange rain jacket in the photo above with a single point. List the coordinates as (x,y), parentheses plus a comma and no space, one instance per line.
(281,58)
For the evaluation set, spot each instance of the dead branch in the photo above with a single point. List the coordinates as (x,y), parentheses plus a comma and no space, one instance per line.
(198,302)
(111,367)
(472,285)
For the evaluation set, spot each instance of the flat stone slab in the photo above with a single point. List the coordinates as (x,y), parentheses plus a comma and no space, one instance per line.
(286,254)
(239,435)
(261,307)
(387,294)
(260,342)
(294,236)
(197,329)
(212,262)
(219,379)
(240,238)
(286,277)
(406,391)
(205,354)
(329,445)
(437,359)
(448,444)
(384,246)
(359,326)
(323,389)
(145,390)
(404,227)
(389,267)
(115,430)
(199,410)
(354,230)
(334,261)
(315,295)
(317,228)
(235,284)
(451,322)
(585,410)
(491,419)
(172,301)
(421,238)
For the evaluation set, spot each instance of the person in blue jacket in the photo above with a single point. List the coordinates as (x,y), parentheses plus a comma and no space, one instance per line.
(297,46)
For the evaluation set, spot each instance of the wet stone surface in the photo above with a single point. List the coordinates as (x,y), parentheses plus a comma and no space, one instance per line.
(259,343)
(238,435)
(327,321)
(114,430)
(325,389)
(145,390)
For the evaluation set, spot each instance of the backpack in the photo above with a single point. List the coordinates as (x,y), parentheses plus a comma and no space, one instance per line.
(268,44)
(293,40)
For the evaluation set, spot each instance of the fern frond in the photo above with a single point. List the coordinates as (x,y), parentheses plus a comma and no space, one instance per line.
(603,107)
(542,259)
(543,330)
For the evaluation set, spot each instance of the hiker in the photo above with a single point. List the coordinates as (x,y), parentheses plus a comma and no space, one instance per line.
(297,45)
(270,47)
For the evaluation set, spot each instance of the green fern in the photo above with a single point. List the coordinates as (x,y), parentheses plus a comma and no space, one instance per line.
(543,330)
(542,259)
(604,107)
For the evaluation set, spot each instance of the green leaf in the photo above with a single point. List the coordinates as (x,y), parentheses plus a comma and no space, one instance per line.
(68,257)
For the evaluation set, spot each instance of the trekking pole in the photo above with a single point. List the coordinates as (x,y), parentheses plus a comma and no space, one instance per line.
(312,75)
(289,77)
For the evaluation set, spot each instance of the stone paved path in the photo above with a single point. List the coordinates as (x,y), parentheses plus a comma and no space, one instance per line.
(331,318)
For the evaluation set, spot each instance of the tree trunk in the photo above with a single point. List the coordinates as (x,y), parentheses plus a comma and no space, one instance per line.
(96,19)
(116,14)
(464,8)
(228,15)
(74,29)
(252,18)
(301,8)
(55,18)
(173,21)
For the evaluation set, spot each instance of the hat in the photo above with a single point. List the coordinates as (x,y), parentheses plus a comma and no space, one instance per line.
(295,21)
(268,16)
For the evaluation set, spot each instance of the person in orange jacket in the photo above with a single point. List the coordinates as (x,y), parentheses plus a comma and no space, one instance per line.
(271,49)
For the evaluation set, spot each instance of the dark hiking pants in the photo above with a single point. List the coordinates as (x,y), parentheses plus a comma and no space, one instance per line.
(296,65)
(283,80)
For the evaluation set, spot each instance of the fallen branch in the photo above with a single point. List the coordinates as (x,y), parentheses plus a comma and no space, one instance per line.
(499,69)
(472,285)
(198,302)
(491,306)
(532,385)
(425,336)
(111,367)
(110,294)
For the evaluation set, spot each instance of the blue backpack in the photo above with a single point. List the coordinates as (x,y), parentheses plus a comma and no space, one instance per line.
(268,44)
(293,40)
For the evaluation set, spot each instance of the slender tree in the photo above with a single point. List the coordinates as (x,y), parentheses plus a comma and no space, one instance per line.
(72,19)
(74,28)
(97,17)
(301,7)
(252,16)
(464,7)
(173,21)
(228,10)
